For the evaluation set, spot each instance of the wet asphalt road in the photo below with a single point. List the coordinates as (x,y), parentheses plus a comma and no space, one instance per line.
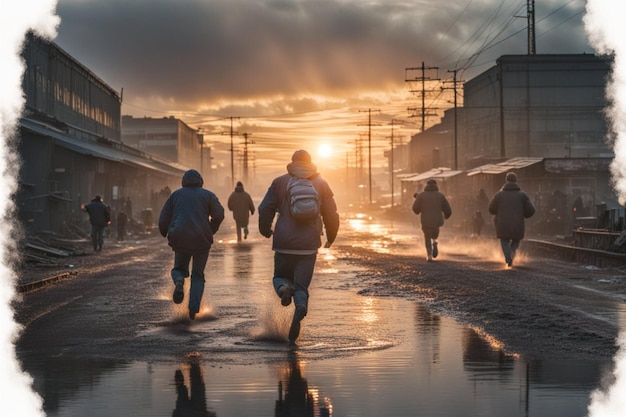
(119,302)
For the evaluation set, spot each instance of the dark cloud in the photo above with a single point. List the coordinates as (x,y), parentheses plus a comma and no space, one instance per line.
(183,54)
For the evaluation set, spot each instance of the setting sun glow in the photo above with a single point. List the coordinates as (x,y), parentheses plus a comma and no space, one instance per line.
(325,151)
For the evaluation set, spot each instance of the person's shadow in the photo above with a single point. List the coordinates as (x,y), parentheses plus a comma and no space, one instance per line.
(294,397)
(191,402)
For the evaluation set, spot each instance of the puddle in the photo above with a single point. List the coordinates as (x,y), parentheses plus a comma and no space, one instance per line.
(359,355)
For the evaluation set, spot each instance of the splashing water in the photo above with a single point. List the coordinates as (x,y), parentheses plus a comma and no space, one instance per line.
(16,19)
(604,25)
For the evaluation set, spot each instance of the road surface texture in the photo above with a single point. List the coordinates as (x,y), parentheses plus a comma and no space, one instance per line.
(539,309)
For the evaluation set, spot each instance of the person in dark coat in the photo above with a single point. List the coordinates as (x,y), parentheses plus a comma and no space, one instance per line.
(189,218)
(478,222)
(433,207)
(510,206)
(295,242)
(99,218)
(240,203)
(122,221)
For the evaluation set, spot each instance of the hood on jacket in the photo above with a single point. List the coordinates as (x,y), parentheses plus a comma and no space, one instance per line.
(301,165)
(511,186)
(239,187)
(192,178)
(431,185)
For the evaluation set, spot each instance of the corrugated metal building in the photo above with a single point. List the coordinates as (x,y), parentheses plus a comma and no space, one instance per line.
(70,146)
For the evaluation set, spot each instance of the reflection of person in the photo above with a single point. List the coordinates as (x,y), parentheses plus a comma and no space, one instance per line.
(294,397)
(99,217)
(433,206)
(510,206)
(295,242)
(189,218)
(240,203)
(191,404)
(122,220)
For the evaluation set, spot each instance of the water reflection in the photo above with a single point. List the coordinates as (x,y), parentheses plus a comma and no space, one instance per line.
(295,398)
(191,401)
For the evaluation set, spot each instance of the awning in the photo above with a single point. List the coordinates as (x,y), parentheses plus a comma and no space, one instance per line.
(435,173)
(503,167)
(85,147)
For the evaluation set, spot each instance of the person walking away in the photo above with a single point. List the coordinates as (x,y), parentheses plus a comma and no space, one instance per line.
(296,239)
(99,218)
(190,217)
(510,206)
(122,220)
(433,207)
(478,222)
(240,203)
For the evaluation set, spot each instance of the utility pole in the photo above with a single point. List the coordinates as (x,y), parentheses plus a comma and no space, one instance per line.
(456,119)
(422,79)
(201,142)
(530,18)
(391,162)
(245,156)
(369,149)
(530,7)
(232,150)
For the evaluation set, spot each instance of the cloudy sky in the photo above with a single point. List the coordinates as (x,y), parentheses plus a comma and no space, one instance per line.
(299,73)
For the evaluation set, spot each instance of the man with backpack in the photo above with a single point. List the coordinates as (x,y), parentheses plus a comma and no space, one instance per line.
(305,205)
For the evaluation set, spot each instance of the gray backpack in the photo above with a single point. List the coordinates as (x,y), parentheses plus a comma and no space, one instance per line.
(304,200)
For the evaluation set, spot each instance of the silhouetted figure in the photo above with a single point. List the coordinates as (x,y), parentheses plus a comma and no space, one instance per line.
(433,207)
(296,241)
(510,206)
(191,402)
(122,221)
(578,207)
(189,219)
(99,218)
(478,222)
(128,207)
(240,203)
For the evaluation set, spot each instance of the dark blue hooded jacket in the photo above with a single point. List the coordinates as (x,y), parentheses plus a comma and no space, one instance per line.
(191,215)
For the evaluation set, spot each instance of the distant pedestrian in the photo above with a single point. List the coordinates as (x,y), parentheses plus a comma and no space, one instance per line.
(129,208)
(478,221)
(433,207)
(510,206)
(296,240)
(99,218)
(240,203)
(189,218)
(122,221)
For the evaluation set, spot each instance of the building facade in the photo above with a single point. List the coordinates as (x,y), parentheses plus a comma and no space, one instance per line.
(539,115)
(70,149)
(549,106)
(169,138)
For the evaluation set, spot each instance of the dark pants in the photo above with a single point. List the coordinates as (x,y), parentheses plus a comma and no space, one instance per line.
(181,270)
(430,234)
(509,248)
(97,236)
(295,271)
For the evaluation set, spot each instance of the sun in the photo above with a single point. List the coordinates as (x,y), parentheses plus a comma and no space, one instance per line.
(325,151)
